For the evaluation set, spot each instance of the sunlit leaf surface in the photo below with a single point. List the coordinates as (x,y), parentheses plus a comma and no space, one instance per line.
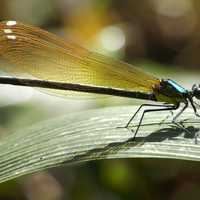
(93,135)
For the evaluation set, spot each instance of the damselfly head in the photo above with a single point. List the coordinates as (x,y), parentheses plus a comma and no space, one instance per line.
(196,91)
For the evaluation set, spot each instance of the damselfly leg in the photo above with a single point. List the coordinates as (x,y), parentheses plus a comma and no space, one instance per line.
(161,108)
(194,107)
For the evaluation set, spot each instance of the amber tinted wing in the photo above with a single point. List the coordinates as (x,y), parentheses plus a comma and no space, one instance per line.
(29,50)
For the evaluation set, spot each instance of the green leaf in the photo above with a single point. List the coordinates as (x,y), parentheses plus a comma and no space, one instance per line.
(97,134)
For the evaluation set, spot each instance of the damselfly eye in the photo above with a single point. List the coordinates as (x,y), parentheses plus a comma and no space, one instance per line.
(194,87)
(196,91)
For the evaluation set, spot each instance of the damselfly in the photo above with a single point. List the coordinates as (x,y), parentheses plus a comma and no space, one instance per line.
(64,66)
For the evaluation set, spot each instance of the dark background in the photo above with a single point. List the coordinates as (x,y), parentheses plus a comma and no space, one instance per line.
(163,37)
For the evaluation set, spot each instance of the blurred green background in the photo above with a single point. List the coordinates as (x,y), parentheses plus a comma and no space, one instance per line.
(163,37)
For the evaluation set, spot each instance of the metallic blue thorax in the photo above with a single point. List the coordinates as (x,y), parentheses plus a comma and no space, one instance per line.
(170,92)
(176,86)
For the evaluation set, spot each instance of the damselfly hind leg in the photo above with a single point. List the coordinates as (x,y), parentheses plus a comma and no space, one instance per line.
(163,108)
(131,119)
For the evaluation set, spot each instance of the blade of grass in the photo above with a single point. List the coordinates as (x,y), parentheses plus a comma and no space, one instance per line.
(96,134)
